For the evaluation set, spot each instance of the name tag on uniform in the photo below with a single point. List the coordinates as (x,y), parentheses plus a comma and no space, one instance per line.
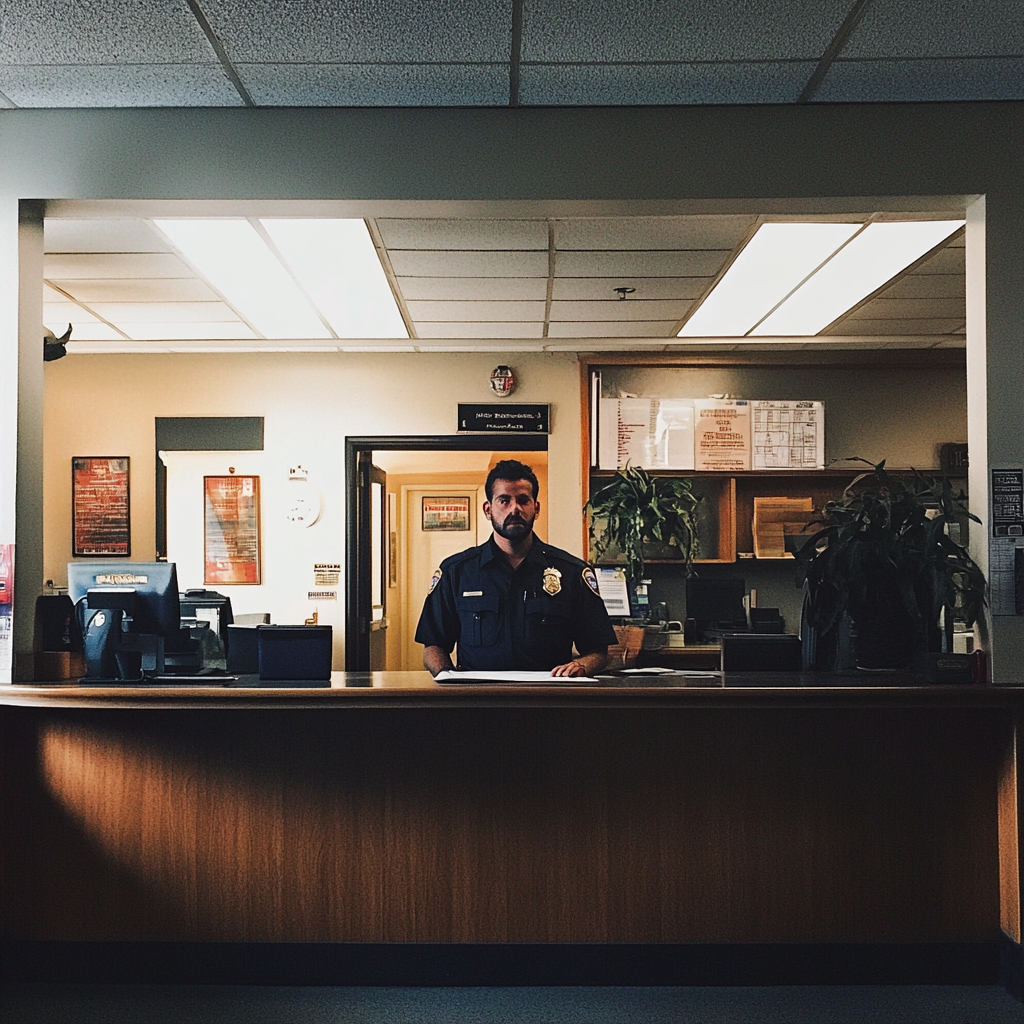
(472,593)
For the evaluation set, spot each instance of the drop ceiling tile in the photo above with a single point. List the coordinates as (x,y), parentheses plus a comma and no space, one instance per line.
(646,30)
(476,311)
(923,81)
(323,31)
(480,330)
(651,84)
(110,234)
(470,288)
(884,307)
(93,331)
(122,313)
(928,286)
(375,85)
(950,29)
(614,329)
(953,341)
(691,263)
(624,310)
(580,288)
(186,331)
(61,32)
(436,233)
(647,233)
(140,289)
(893,327)
(411,263)
(946,261)
(70,267)
(155,85)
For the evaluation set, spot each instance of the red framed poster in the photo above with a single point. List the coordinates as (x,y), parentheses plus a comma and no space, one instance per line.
(100,510)
(231,548)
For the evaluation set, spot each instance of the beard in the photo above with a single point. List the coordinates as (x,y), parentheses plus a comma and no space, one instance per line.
(514,528)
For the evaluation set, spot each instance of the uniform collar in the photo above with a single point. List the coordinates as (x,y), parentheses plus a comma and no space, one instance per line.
(490,552)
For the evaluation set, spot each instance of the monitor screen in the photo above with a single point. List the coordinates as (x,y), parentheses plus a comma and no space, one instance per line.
(157,609)
(716,604)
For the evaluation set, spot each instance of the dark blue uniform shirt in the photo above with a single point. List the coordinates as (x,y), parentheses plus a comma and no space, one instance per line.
(524,618)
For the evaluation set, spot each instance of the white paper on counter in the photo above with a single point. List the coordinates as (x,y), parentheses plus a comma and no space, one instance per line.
(511,676)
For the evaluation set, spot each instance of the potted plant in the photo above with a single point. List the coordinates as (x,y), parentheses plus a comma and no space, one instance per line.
(635,509)
(882,555)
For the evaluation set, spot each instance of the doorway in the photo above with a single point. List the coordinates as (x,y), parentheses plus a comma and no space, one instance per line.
(381,554)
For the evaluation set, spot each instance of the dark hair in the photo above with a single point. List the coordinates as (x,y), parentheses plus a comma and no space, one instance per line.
(510,469)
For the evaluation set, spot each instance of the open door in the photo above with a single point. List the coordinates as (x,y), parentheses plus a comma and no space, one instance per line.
(371,570)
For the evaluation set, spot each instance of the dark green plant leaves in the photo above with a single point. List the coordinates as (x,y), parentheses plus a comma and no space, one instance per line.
(634,508)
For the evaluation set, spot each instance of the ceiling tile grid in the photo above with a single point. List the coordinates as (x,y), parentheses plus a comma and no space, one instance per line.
(375,85)
(465,279)
(923,80)
(362,31)
(638,31)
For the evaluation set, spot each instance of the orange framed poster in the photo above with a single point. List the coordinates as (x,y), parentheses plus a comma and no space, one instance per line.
(231,543)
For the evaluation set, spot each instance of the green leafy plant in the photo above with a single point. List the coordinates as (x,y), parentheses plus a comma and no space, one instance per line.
(635,508)
(881,553)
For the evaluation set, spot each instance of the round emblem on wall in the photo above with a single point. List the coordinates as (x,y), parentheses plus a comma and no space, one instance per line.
(503,381)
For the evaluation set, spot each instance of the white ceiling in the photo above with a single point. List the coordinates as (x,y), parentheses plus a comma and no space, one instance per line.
(510,283)
(222,53)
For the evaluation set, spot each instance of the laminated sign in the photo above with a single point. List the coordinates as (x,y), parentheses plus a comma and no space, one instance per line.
(722,434)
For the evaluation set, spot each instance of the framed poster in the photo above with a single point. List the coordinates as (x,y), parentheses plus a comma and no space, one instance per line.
(231,535)
(100,512)
(445,513)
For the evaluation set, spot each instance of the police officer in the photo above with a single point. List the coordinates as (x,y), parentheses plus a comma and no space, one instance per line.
(515,602)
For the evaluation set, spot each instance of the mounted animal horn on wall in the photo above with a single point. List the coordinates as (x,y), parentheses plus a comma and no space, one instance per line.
(54,347)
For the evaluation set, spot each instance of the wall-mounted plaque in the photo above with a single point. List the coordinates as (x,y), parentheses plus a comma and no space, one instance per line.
(100,512)
(504,418)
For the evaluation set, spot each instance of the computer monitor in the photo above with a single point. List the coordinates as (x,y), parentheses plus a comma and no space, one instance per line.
(716,604)
(157,609)
(129,614)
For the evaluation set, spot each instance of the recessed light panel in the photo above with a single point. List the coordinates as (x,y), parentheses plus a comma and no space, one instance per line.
(770,266)
(234,258)
(875,256)
(337,264)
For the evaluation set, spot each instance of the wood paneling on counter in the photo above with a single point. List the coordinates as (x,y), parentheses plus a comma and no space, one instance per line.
(503,824)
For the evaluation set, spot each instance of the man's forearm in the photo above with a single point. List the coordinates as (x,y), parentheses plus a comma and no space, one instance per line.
(436,659)
(583,664)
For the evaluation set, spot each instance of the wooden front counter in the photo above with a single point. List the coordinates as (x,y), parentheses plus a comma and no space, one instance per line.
(391,809)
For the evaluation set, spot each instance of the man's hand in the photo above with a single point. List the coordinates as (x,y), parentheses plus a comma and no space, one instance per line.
(582,665)
(436,659)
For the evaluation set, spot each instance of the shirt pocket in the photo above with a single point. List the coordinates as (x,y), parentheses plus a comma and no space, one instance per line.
(478,620)
(548,622)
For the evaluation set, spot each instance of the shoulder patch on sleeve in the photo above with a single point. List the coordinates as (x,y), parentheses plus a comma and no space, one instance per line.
(434,580)
(590,579)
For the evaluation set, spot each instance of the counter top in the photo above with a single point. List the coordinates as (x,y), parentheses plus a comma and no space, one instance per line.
(419,689)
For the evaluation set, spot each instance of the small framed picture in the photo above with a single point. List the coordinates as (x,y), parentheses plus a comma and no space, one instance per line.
(231,544)
(445,513)
(100,508)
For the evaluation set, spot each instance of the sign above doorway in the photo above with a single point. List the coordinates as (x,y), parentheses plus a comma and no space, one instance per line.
(504,419)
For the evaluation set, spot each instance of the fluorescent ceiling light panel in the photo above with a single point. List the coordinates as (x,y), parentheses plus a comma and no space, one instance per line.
(875,256)
(770,266)
(236,260)
(338,265)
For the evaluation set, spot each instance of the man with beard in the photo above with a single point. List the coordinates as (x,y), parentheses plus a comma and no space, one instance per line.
(515,602)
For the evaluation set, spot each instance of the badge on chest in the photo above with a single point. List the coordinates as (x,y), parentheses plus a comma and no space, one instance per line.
(552,581)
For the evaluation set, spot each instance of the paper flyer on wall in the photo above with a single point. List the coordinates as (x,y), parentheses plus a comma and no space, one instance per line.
(788,435)
(6,611)
(722,432)
(655,433)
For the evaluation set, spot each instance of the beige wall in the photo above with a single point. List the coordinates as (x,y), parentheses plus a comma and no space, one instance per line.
(106,405)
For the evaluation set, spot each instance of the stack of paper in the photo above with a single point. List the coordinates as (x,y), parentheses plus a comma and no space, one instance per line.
(773,519)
